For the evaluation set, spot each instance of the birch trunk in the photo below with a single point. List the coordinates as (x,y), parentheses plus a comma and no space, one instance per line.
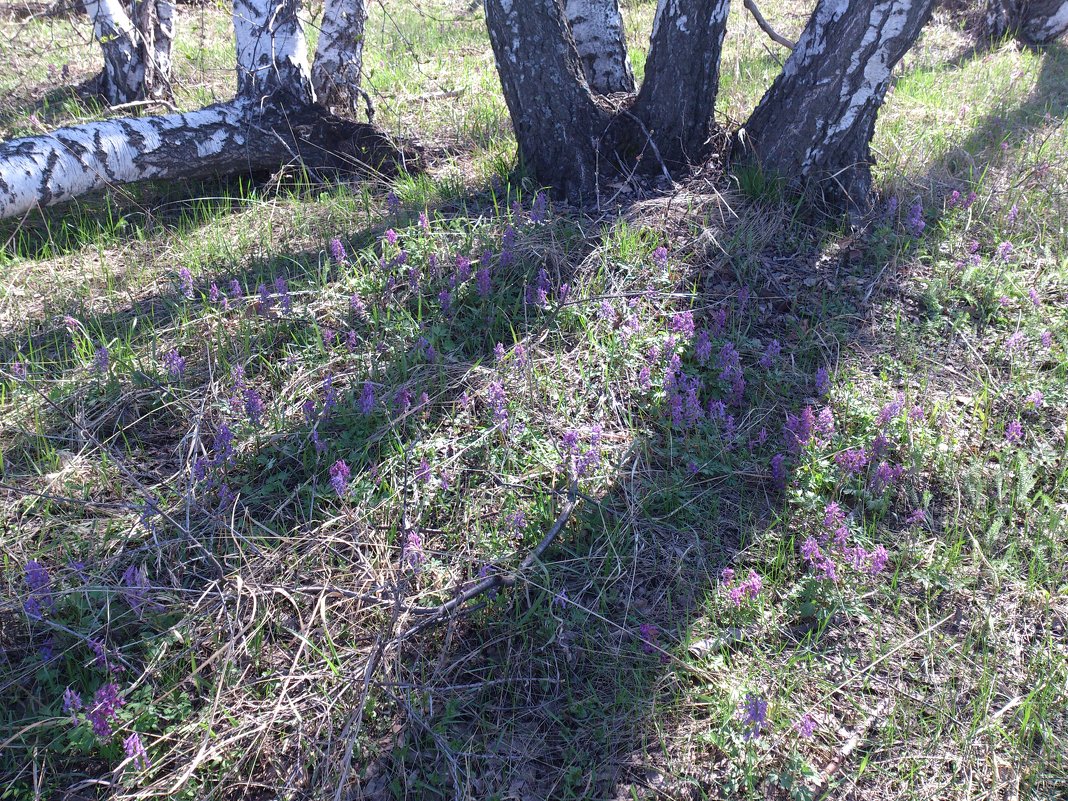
(122,80)
(597,28)
(153,21)
(557,123)
(1033,22)
(678,96)
(815,123)
(339,55)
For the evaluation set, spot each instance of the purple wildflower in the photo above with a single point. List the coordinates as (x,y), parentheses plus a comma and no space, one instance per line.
(402,401)
(393,203)
(254,406)
(660,257)
(1035,399)
(702,348)
(424,221)
(539,207)
(890,411)
(953,199)
(682,323)
(824,428)
(40,586)
(885,476)
(771,354)
(498,403)
(917,518)
(72,704)
(101,360)
(483,282)
(649,634)
(391,236)
(754,714)
(463,269)
(135,587)
(357,305)
(414,555)
(517,521)
(1005,251)
(174,362)
(1047,339)
(1014,432)
(185,278)
(798,429)
(445,299)
(135,751)
(878,560)
(852,461)
(806,725)
(337,251)
(105,709)
(823,381)
(282,290)
(915,222)
(1016,342)
(339,477)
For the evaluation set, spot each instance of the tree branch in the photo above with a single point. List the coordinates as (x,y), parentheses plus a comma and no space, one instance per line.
(765,26)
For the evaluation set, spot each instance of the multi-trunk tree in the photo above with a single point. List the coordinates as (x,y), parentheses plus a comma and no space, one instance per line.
(813,125)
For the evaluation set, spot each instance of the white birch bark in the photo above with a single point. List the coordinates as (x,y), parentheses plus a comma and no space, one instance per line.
(124,73)
(272,52)
(339,54)
(597,28)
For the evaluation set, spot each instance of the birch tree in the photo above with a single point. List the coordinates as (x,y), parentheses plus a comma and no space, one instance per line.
(273,119)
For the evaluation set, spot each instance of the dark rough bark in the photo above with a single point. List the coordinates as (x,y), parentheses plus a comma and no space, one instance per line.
(814,125)
(1033,22)
(597,28)
(557,123)
(677,99)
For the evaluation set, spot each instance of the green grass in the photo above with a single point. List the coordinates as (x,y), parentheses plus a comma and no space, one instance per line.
(271,651)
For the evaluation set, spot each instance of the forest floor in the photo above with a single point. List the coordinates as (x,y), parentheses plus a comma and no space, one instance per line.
(808,487)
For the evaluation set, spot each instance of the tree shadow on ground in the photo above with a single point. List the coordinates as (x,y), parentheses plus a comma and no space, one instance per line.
(553,688)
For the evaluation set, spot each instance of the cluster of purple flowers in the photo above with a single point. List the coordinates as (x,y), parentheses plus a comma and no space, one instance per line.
(754,716)
(649,635)
(40,590)
(682,392)
(835,535)
(185,281)
(414,555)
(101,713)
(498,402)
(174,362)
(339,477)
(337,251)
(101,360)
(730,370)
(799,429)
(135,587)
(581,459)
(749,588)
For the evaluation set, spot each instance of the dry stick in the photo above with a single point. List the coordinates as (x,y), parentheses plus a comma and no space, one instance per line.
(497,579)
(860,733)
(766,26)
